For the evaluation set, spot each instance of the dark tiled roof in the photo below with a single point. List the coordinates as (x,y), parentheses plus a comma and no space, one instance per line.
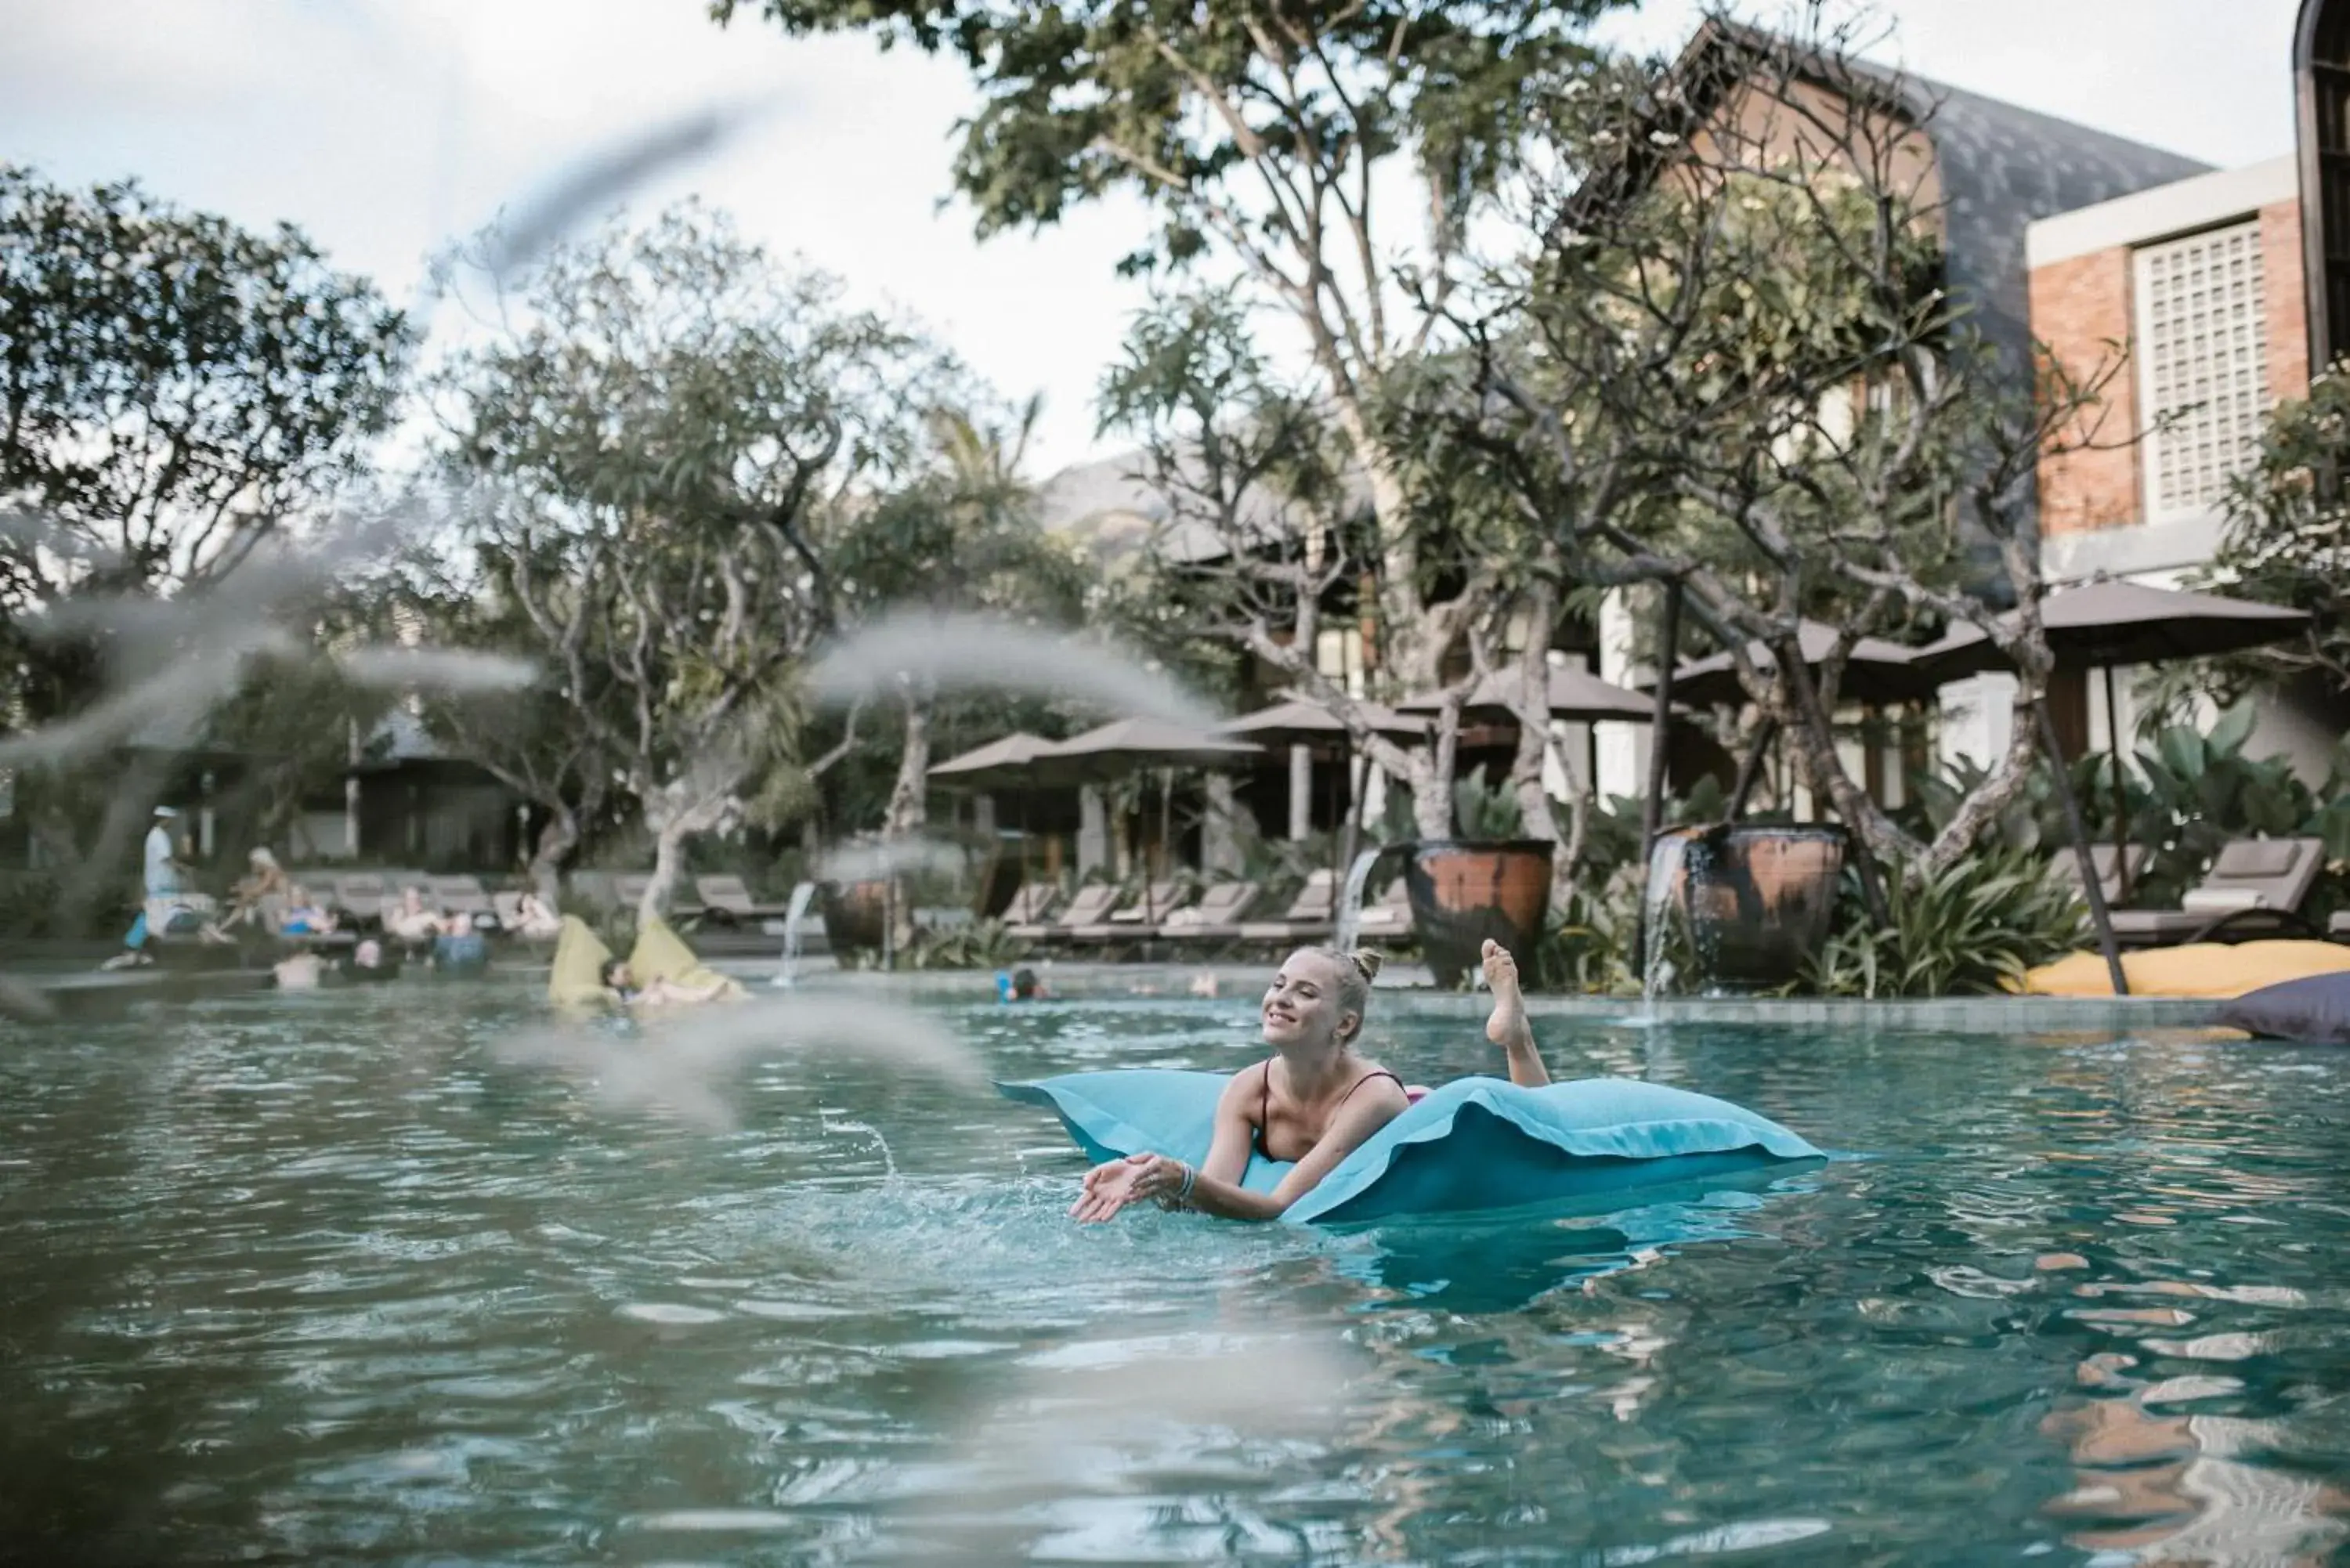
(2003,168)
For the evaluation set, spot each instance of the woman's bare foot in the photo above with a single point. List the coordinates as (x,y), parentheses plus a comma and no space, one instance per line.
(1508,1027)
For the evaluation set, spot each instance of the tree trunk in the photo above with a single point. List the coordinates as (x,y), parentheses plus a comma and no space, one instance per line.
(909,796)
(556,839)
(668,866)
(1433,770)
(908,811)
(1988,799)
(676,812)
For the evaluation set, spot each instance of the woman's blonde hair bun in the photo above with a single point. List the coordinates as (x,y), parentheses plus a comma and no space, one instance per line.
(1366,961)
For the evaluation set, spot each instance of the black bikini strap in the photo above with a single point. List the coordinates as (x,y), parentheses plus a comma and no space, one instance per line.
(1376,1072)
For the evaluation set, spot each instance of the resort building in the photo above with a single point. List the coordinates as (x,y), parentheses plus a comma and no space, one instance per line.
(2223,290)
(2218,288)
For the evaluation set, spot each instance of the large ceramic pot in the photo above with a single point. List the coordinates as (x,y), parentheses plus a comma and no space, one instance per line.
(1464,892)
(1755,900)
(856,914)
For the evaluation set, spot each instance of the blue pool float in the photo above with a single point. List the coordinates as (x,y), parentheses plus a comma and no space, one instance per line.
(1476,1143)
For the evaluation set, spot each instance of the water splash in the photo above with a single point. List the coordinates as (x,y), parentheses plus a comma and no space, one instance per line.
(683,1062)
(1350,898)
(454,670)
(1080,1405)
(593,184)
(1668,869)
(984,653)
(872,862)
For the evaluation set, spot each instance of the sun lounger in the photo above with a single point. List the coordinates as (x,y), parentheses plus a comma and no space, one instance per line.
(1136,922)
(1309,917)
(2067,865)
(2338,925)
(1091,906)
(1029,904)
(363,896)
(1215,918)
(629,891)
(459,895)
(2256,885)
(728,897)
(594,888)
(1159,900)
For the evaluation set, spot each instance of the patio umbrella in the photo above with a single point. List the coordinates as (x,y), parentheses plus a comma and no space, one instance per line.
(2102,624)
(1877,671)
(1575,696)
(1302,722)
(2118,622)
(1128,745)
(1124,745)
(995,765)
(1006,763)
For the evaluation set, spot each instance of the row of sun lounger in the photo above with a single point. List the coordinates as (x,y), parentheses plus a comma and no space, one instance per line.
(2255,887)
(1095,918)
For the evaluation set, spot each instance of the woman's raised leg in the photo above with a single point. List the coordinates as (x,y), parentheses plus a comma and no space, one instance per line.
(1508,1027)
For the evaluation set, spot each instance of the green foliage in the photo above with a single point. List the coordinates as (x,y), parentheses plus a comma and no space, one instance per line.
(671,457)
(2288,536)
(981,944)
(1200,109)
(1486,811)
(172,389)
(1588,946)
(1971,928)
(176,386)
(29,905)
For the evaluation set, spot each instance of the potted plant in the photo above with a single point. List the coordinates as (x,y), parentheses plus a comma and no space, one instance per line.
(1488,883)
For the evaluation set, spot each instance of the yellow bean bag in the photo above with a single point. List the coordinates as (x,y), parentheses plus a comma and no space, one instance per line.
(580,955)
(2198,970)
(662,954)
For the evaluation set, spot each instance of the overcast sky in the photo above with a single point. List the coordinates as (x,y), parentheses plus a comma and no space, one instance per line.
(385,126)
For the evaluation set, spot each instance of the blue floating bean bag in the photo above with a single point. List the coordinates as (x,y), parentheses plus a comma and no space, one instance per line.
(1476,1143)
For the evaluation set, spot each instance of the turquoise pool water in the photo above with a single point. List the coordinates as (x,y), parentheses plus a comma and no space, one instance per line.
(328,1279)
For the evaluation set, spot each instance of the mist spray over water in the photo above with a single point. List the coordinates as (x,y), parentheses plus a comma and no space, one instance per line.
(985,653)
(685,1063)
(872,862)
(590,186)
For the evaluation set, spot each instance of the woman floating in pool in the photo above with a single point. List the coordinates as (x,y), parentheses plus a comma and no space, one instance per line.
(657,993)
(1315,1101)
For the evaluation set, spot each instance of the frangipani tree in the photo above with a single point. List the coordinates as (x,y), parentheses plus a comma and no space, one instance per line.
(656,457)
(1720,357)
(1303,149)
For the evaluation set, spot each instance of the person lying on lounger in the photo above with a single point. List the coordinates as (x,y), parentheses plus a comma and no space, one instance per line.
(532,920)
(414,920)
(305,915)
(622,983)
(1314,1101)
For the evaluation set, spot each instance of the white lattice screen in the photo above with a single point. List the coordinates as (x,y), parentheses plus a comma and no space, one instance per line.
(2203,357)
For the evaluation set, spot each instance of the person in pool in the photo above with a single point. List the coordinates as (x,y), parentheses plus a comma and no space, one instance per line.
(622,985)
(1314,1101)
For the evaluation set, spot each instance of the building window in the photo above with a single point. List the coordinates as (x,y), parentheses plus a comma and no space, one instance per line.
(2202,361)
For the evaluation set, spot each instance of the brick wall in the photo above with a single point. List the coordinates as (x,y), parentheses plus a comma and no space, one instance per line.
(2286,301)
(2082,305)
(2080,310)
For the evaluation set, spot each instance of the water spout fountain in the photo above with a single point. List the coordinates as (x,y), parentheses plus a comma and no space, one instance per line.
(1744,905)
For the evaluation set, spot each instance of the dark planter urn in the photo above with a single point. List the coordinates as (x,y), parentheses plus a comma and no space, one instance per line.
(1464,892)
(1755,900)
(856,914)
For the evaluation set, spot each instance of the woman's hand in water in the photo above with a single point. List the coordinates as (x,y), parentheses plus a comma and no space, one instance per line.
(1111,1186)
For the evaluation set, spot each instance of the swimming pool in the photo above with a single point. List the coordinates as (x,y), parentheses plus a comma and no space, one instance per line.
(323,1279)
